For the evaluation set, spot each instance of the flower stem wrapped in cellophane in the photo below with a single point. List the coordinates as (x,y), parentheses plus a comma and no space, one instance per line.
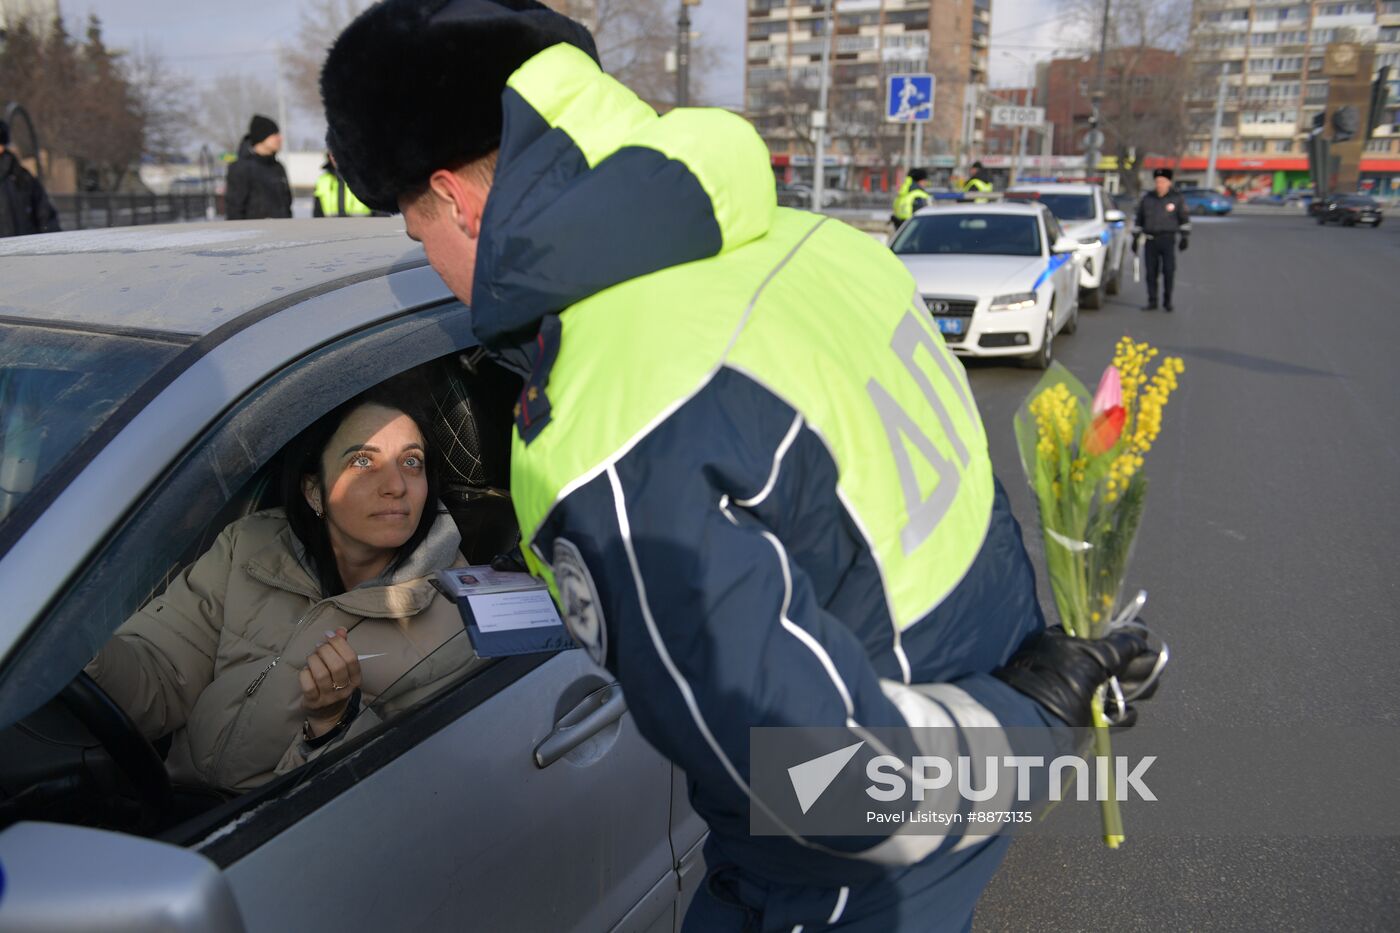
(1083,457)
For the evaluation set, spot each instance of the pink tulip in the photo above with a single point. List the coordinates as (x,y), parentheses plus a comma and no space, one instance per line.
(1110,392)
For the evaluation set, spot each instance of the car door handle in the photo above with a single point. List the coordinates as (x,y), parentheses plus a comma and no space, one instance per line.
(599,709)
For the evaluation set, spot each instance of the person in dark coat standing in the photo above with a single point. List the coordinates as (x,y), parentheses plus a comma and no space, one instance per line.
(1161,217)
(257,182)
(24,206)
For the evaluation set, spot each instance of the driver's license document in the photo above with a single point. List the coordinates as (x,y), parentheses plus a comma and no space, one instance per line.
(504,613)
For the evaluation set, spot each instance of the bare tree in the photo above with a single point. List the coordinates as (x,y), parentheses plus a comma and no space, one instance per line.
(162,100)
(1143,109)
(636,39)
(320,22)
(78,93)
(229,102)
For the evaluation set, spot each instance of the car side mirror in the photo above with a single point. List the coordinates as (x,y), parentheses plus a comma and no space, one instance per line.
(1065,244)
(72,877)
(1115,216)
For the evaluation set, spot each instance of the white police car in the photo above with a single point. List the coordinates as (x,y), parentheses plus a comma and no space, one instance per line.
(1000,280)
(1099,228)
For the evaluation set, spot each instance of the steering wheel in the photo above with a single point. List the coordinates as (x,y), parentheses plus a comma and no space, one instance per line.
(131,751)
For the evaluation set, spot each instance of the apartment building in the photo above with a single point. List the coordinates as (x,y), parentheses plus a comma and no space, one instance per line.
(870,39)
(1271,53)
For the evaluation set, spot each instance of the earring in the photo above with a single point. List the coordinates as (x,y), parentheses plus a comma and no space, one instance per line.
(317,510)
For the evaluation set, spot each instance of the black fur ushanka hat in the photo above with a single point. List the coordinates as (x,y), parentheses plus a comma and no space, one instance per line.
(412,86)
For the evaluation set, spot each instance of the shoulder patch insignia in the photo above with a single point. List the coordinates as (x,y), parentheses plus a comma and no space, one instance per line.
(583,612)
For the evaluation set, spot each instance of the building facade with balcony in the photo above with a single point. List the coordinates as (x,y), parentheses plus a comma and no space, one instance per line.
(870,40)
(1270,53)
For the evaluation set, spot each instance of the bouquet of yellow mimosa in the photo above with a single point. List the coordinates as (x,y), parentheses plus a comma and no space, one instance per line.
(1083,457)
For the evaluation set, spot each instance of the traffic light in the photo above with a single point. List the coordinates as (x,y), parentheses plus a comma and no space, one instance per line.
(1380,95)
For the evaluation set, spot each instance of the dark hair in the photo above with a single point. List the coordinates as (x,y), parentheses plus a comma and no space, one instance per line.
(303,457)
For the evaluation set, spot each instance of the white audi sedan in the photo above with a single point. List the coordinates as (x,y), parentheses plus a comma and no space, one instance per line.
(1000,280)
(1100,230)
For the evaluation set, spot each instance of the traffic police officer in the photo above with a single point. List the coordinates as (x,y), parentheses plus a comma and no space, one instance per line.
(712,463)
(976,182)
(333,198)
(1161,218)
(912,195)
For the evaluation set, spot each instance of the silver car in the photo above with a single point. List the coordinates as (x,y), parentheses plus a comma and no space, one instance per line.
(170,365)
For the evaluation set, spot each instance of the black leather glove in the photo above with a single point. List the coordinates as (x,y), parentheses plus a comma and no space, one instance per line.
(1061,672)
(1185,242)
(512,561)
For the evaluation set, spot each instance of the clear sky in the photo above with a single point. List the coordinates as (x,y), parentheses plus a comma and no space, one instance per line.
(204,38)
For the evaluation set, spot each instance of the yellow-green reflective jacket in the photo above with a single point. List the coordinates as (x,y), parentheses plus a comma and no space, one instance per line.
(335,198)
(753,475)
(910,198)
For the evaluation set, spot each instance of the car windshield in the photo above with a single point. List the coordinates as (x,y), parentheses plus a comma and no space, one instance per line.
(1068,206)
(970,234)
(57,387)
(1359,201)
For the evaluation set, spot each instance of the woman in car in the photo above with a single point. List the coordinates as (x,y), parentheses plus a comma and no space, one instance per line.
(301,626)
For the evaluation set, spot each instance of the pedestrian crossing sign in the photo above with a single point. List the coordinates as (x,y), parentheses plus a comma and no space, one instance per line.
(909,98)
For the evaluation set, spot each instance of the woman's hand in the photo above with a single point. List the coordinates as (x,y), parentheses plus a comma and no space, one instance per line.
(331,676)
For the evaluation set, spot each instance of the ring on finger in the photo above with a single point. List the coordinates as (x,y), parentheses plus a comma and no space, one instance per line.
(336,686)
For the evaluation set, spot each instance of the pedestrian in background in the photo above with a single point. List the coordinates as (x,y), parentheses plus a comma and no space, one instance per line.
(24,206)
(334,197)
(913,194)
(709,463)
(1161,218)
(257,182)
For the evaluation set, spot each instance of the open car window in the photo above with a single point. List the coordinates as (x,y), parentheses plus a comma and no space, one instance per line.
(172,541)
(449,663)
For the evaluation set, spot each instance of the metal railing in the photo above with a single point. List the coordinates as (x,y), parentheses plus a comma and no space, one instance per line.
(84,211)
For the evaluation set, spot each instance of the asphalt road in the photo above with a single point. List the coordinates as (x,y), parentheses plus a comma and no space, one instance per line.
(1270,550)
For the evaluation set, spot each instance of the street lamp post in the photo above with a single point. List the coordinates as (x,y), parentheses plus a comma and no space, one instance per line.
(819,116)
(1215,131)
(1092,154)
(1028,102)
(683,54)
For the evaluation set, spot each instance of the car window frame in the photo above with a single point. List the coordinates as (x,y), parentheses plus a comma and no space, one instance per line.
(1053,231)
(192,492)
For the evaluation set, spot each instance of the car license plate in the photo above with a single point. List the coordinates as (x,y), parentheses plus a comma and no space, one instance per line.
(950,325)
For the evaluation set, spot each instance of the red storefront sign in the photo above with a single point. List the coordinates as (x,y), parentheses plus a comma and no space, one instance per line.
(1256,164)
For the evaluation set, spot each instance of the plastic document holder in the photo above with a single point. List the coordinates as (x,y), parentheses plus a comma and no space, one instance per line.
(505,613)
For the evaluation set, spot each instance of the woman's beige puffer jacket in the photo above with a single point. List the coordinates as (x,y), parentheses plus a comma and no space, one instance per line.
(215,658)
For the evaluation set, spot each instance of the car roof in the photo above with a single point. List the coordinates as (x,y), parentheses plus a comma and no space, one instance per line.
(1063,187)
(1025,208)
(191,278)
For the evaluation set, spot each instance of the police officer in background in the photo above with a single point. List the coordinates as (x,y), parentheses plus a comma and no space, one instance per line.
(333,198)
(977,182)
(717,491)
(1161,217)
(912,195)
